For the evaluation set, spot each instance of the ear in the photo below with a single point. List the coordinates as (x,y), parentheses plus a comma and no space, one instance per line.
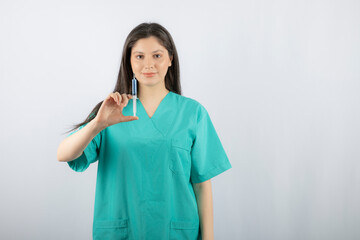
(171,58)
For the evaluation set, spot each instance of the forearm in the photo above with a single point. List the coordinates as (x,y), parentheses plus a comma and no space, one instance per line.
(73,146)
(203,194)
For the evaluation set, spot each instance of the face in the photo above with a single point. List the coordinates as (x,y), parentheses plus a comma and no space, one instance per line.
(149,56)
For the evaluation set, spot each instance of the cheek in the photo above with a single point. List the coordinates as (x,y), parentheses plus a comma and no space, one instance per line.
(163,65)
(136,66)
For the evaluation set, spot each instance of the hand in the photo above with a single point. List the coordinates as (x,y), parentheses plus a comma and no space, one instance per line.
(110,111)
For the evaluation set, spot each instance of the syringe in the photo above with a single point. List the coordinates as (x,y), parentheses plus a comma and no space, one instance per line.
(134,93)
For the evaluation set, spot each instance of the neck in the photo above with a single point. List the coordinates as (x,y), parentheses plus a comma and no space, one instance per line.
(152,94)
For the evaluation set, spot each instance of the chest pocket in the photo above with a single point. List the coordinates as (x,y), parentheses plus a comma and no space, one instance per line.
(180,163)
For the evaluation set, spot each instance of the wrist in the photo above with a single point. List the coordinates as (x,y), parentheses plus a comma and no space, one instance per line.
(98,125)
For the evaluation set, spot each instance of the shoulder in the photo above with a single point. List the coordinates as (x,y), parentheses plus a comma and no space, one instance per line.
(192,108)
(190,103)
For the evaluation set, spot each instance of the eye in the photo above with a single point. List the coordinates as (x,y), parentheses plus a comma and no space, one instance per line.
(138,56)
(158,55)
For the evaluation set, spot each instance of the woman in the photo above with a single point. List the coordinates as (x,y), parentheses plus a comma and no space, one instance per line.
(154,169)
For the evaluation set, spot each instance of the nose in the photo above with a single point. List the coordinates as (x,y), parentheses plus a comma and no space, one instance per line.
(149,63)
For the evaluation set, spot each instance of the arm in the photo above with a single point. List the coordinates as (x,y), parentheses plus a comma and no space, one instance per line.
(203,195)
(73,146)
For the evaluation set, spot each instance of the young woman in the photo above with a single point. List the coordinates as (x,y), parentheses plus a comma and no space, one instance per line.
(154,169)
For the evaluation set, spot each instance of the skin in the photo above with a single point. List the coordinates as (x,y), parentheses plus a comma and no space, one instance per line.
(204,200)
(152,90)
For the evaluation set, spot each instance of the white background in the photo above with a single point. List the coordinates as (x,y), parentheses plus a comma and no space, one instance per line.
(280,80)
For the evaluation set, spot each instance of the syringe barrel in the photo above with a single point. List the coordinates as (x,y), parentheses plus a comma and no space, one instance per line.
(134,87)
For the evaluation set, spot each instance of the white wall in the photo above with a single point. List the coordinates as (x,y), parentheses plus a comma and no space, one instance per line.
(280,80)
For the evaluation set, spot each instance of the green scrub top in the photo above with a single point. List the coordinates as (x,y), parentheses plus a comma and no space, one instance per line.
(146,169)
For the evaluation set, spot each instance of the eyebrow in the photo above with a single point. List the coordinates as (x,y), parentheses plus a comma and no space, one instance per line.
(153,51)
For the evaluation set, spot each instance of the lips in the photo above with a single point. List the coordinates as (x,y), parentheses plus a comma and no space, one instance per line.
(149,74)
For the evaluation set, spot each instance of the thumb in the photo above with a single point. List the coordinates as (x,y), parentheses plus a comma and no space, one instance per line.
(130,118)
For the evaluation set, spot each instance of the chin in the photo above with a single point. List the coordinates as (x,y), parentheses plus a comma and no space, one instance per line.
(151,83)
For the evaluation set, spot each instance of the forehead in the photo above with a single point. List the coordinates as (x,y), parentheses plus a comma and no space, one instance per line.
(150,44)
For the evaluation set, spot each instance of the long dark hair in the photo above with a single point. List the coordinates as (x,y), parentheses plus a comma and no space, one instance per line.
(123,83)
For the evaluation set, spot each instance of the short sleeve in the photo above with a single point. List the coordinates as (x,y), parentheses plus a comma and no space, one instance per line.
(90,154)
(208,157)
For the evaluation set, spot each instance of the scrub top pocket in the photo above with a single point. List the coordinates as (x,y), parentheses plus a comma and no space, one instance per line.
(180,230)
(111,229)
(180,163)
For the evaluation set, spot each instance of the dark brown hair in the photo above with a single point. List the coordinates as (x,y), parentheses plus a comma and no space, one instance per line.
(123,83)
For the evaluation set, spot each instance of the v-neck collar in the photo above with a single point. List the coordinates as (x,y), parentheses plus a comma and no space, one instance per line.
(161,121)
(142,108)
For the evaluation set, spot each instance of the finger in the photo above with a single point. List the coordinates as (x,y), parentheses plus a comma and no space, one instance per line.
(125,99)
(118,98)
(130,96)
(112,95)
(130,118)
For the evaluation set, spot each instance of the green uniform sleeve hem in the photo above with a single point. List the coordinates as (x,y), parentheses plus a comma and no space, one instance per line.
(81,163)
(212,173)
